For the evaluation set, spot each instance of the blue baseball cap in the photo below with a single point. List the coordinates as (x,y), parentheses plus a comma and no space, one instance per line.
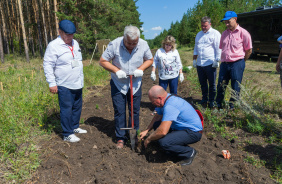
(228,15)
(67,26)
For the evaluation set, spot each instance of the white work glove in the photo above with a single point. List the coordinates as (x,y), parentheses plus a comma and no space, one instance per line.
(215,64)
(181,77)
(138,73)
(153,76)
(121,74)
(195,63)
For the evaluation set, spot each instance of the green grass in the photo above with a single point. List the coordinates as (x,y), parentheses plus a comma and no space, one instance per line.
(28,111)
(28,114)
(257,111)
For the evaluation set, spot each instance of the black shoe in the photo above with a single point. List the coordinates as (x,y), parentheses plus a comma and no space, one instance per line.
(231,106)
(202,102)
(211,105)
(189,160)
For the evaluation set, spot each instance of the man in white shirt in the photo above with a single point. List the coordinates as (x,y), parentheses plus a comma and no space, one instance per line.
(64,72)
(206,59)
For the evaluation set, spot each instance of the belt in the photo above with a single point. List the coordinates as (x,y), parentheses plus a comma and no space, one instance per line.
(230,62)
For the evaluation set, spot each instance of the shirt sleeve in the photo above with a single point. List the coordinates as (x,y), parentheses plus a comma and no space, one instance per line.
(108,54)
(280,38)
(170,113)
(148,54)
(156,59)
(159,110)
(49,63)
(221,40)
(195,47)
(178,60)
(216,46)
(247,43)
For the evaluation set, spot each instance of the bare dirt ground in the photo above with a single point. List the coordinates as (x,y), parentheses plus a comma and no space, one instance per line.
(96,160)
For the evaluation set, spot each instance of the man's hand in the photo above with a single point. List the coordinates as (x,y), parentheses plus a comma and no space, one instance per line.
(153,76)
(146,142)
(121,74)
(181,77)
(215,64)
(138,73)
(143,134)
(53,89)
(195,63)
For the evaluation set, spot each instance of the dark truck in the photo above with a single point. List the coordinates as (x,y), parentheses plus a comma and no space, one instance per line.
(265,26)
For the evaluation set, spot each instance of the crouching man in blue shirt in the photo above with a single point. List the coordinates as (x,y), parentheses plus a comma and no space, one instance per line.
(176,124)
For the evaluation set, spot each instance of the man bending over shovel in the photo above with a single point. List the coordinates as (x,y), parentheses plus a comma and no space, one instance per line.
(130,56)
(176,124)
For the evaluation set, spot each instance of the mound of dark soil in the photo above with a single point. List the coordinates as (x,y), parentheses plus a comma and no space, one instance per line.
(96,160)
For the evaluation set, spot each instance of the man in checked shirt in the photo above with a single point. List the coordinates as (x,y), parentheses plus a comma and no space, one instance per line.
(130,55)
(236,46)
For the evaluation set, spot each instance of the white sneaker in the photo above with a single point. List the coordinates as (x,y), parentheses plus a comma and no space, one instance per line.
(71,138)
(80,131)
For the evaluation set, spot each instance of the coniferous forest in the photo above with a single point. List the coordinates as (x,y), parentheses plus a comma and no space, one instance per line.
(27,26)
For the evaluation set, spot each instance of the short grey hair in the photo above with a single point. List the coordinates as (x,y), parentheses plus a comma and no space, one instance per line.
(132,32)
(206,19)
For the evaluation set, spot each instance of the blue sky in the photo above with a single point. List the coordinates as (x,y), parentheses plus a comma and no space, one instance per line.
(158,15)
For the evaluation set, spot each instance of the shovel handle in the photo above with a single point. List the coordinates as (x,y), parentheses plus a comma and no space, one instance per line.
(131,97)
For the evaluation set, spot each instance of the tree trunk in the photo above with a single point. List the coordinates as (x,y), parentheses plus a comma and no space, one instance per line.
(49,19)
(5,38)
(30,39)
(43,20)
(11,20)
(23,30)
(1,48)
(37,20)
(56,18)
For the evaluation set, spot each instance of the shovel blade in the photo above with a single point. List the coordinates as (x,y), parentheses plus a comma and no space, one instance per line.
(132,135)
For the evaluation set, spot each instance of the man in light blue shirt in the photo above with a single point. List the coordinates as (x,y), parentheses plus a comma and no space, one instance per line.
(176,124)
(130,55)
(64,72)
(206,59)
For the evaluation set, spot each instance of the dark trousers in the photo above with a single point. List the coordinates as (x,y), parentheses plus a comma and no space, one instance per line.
(119,104)
(173,84)
(207,74)
(233,71)
(70,102)
(176,142)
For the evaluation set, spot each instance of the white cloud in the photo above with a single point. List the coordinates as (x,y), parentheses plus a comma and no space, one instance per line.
(157,28)
(156,34)
(142,29)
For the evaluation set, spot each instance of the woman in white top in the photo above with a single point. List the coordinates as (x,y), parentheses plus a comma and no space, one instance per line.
(169,65)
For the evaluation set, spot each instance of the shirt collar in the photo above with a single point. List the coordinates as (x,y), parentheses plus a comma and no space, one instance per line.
(207,31)
(135,48)
(163,50)
(236,29)
(61,41)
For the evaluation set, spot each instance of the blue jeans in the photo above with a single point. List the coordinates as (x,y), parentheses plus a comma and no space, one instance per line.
(119,104)
(207,74)
(173,84)
(70,101)
(175,142)
(233,71)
